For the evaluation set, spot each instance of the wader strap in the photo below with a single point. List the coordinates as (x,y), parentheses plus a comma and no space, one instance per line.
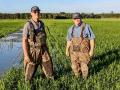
(72,31)
(33,28)
(82,29)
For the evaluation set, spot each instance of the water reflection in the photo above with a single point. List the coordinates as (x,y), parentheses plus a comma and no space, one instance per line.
(10,51)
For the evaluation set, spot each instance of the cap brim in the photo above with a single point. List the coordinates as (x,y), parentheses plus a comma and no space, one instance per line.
(77,18)
(35,10)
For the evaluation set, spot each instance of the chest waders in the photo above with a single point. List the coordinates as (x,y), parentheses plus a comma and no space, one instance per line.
(80,44)
(79,53)
(38,53)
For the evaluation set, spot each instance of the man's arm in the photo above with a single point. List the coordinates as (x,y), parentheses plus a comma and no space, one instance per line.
(25,49)
(68,38)
(92,46)
(67,48)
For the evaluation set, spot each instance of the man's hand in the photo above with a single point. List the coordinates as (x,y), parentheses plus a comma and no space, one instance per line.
(92,46)
(26,59)
(91,53)
(67,53)
(67,48)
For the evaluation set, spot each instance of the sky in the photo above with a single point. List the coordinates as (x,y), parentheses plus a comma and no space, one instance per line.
(56,6)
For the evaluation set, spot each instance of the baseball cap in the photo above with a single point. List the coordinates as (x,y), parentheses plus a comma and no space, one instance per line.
(76,16)
(35,8)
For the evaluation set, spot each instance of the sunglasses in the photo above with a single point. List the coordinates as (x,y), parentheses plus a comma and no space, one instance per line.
(76,18)
(36,11)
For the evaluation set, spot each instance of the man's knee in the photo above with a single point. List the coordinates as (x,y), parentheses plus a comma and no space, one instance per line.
(84,69)
(29,71)
(48,68)
(84,66)
(76,68)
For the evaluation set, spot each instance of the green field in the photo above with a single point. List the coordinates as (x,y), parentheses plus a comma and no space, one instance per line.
(104,68)
(9,26)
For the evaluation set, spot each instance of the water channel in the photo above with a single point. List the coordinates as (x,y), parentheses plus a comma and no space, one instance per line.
(10,51)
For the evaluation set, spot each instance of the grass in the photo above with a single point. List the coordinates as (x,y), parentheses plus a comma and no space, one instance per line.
(104,68)
(9,26)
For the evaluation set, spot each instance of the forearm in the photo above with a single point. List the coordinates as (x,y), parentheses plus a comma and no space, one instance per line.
(25,47)
(92,45)
(68,45)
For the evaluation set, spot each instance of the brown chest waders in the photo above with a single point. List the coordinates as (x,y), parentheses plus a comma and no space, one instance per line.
(38,53)
(79,53)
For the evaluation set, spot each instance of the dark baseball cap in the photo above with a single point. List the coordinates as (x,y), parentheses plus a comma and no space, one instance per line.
(76,16)
(35,8)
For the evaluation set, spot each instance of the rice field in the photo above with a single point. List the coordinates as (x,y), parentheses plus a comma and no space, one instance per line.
(104,69)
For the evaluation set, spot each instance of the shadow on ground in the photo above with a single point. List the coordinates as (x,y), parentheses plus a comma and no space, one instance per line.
(104,60)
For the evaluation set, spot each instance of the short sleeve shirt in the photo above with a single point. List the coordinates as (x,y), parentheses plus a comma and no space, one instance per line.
(77,32)
(28,26)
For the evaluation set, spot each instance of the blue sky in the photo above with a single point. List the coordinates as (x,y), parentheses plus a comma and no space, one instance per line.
(86,6)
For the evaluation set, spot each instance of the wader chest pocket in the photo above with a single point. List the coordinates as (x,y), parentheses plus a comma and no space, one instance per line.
(76,48)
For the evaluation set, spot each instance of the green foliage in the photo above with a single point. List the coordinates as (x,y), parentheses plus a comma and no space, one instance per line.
(104,67)
(9,26)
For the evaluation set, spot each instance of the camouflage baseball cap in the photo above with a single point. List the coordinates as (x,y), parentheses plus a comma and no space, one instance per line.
(76,16)
(35,8)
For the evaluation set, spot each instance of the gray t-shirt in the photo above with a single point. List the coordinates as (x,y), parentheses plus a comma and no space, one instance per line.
(77,32)
(28,26)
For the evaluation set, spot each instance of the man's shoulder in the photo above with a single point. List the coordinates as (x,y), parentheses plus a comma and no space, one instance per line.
(86,26)
(41,22)
(71,27)
(27,24)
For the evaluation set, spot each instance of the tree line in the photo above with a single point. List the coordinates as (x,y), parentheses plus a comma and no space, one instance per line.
(61,15)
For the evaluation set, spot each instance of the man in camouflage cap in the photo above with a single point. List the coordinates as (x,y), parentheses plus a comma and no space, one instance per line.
(34,47)
(80,45)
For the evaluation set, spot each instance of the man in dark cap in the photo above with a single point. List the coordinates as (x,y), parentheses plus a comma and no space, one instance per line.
(35,48)
(80,45)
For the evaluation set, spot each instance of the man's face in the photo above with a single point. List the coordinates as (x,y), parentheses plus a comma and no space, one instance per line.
(35,14)
(77,21)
